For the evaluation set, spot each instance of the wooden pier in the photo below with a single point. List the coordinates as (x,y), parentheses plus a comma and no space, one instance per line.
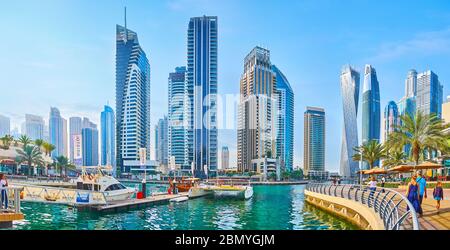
(118,206)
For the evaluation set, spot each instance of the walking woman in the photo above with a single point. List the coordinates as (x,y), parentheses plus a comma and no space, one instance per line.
(3,193)
(438,195)
(413,195)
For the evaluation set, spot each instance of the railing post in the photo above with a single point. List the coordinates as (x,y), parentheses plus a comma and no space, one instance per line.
(17,200)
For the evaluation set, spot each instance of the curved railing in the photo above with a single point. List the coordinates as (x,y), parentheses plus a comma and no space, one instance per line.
(390,205)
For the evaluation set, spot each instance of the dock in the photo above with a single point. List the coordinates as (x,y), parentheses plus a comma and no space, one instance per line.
(13,212)
(118,206)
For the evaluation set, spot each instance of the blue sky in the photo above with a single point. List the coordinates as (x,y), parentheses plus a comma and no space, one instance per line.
(62,52)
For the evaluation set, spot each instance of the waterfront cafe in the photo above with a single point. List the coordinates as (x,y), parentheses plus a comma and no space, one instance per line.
(429,167)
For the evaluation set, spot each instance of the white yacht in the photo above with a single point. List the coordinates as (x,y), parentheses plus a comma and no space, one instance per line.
(97,180)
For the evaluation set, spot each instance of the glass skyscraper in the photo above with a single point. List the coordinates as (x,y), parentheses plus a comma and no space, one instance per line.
(285,120)
(5,126)
(132,98)
(90,145)
(256,135)
(75,126)
(108,145)
(176,123)
(161,151)
(34,126)
(314,139)
(225,158)
(58,133)
(371,114)
(391,119)
(201,94)
(350,82)
(429,93)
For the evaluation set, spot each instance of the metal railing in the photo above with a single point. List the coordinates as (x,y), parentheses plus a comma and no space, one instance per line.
(393,208)
(12,198)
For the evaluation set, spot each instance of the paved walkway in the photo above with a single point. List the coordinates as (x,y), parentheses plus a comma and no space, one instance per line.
(432,220)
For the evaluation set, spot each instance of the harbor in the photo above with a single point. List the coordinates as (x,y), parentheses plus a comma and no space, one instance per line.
(283,204)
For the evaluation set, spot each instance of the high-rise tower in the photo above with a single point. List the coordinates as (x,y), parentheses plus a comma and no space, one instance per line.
(132,98)
(350,82)
(201,95)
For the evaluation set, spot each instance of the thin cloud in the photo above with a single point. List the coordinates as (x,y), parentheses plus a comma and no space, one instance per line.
(426,43)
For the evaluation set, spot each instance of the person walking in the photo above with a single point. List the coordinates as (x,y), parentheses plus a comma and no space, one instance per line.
(413,195)
(372,187)
(438,195)
(383,181)
(422,187)
(3,192)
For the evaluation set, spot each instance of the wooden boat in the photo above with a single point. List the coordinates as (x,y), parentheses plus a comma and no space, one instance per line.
(185,184)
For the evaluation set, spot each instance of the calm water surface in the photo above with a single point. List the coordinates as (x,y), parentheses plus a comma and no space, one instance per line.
(271,208)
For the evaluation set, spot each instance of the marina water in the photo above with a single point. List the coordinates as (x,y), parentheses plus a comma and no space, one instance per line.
(271,208)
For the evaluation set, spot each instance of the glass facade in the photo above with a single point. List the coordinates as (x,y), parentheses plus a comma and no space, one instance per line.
(58,133)
(314,139)
(201,95)
(90,146)
(350,82)
(176,121)
(34,126)
(132,98)
(371,115)
(5,126)
(391,119)
(161,153)
(285,120)
(108,146)
(256,111)
(429,93)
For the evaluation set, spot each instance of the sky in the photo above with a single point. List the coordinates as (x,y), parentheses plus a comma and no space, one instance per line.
(61,53)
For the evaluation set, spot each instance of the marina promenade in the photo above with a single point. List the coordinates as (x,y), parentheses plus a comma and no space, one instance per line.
(432,220)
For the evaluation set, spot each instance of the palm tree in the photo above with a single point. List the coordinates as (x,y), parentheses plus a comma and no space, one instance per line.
(62,162)
(420,132)
(31,156)
(39,143)
(394,158)
(25,140)
(48,148)
(370,152)
(6,141)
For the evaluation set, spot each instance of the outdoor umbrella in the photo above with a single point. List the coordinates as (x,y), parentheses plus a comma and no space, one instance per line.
(401,169)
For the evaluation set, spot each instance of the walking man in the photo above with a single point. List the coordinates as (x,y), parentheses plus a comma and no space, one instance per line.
(422,187)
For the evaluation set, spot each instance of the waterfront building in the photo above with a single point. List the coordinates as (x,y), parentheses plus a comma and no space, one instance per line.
(314,140)
(34,127)
(256,136)
(90,145)
(407,105)
(285,121)
(201,95)
(58,133)
(161,151)
(108,134)
(371,114)
(132,98)
(446,110)
(391,119)
(75,126)
(176,123)
(5,125)
(429,93)
(350,82)
(225,158)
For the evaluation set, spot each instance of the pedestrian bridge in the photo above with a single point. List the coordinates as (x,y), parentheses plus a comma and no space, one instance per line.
(382,209)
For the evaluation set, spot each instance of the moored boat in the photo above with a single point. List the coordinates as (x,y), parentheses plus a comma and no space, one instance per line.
(97,180)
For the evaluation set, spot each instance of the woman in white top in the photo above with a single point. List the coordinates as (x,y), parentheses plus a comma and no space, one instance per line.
(3,193)
(373,187)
